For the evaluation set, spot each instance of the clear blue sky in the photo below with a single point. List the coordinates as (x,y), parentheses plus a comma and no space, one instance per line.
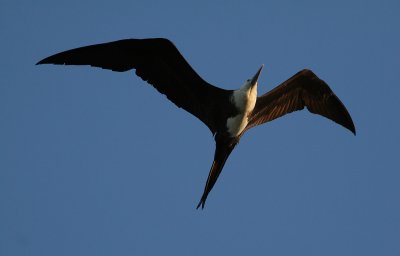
(94,162)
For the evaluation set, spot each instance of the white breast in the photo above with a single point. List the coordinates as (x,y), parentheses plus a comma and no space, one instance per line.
(244,100)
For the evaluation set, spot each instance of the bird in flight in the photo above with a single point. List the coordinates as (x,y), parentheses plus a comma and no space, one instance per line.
(227,113)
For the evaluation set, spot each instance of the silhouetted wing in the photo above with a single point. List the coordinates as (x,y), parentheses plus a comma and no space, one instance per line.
(304,89)
(156,61)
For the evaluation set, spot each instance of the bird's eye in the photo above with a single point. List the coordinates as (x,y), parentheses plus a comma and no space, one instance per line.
(248,80)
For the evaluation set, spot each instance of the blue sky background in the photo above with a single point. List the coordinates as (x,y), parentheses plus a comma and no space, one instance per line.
(94,162)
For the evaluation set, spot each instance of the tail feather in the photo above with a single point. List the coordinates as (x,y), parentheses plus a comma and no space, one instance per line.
(215,171)
(222,152)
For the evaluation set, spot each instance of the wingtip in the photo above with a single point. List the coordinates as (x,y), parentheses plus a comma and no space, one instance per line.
(351,127)
(52,60)
(43,61)
(354,131)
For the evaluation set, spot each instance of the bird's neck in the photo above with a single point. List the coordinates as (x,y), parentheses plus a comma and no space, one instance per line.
(244,100)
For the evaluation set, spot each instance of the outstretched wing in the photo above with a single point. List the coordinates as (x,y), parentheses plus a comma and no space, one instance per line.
(304,89)
(156,61)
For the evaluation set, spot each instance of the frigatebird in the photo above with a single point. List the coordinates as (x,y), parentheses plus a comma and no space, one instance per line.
(227,113)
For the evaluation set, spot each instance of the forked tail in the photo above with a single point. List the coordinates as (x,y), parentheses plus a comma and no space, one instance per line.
(222,151)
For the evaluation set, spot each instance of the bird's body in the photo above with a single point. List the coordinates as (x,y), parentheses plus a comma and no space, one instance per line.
(227,113)
(244,100)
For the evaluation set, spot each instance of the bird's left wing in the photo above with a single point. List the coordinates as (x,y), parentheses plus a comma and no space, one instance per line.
(304,89)
(156,61)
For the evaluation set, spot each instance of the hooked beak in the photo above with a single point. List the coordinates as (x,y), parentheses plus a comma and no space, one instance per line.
(255,77)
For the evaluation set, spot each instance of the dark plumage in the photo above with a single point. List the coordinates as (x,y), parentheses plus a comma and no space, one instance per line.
(304,89)
(159,62)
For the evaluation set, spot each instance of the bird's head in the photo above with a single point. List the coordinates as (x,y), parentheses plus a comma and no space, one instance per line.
(252,83)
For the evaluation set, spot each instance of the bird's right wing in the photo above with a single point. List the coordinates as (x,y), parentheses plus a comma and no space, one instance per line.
(304,89)
(156,61)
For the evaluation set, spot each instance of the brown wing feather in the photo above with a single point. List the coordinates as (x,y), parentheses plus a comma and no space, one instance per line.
(304,89)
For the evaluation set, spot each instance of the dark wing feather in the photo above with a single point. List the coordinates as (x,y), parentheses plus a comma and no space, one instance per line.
(304,89)
(156,61)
